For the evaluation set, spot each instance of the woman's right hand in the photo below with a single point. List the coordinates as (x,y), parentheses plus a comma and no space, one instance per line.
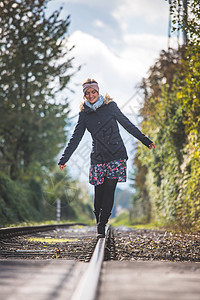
(62,166)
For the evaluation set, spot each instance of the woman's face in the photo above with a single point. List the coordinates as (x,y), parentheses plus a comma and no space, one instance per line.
(91,95)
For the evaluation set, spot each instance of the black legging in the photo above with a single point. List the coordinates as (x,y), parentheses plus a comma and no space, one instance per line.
(104,196)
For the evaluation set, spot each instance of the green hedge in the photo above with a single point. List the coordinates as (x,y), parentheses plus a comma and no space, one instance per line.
(19,202)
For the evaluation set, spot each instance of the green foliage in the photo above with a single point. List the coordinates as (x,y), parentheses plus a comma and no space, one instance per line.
(31,202)
(75,200)
(169,176)
(141,206)
(186,16)
(122,219)
(189,96)
(34,68)
(19,202)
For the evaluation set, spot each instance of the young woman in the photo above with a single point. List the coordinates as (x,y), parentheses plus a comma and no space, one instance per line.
(99,115)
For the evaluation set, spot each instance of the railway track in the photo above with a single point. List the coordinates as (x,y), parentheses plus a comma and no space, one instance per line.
(87,287)
(66,241)
(57,254)
(16,231)
(14,245)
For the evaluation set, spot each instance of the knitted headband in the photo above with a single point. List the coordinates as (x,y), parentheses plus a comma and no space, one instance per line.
(88,85)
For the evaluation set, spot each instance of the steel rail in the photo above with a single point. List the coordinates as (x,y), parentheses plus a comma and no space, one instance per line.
(15,231)
(88,284)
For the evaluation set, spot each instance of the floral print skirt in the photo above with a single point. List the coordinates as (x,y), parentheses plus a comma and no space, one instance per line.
(115,169)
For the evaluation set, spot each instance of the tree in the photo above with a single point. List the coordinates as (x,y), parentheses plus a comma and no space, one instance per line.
(159,111)
(185,16)
(170,114)
(74,197)
(34,69)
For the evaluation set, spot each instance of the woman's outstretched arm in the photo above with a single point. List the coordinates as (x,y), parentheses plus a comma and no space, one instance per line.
(74,141)
(130,127)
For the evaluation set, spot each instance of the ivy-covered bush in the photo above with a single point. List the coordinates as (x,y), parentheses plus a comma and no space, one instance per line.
(170,181)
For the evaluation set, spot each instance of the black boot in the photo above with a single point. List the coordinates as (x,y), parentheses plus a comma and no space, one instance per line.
(101,230)
(103,219)
(96,215)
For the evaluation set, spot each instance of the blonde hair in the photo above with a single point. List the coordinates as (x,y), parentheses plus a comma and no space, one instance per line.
(89,80)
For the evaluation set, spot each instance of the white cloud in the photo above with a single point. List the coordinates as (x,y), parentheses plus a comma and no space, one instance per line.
(150,11)
(91,3)
(98,23)
(116,74)
(124,10)
(142,50)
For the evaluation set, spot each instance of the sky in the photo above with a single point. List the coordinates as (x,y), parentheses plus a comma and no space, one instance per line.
(116,42)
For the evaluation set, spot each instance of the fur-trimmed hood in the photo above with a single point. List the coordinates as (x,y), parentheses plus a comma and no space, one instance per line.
(106,99)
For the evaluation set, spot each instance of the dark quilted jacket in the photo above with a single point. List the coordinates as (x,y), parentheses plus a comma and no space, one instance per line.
(107,143)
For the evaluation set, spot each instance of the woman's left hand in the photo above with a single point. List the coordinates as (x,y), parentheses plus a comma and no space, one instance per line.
(152,145)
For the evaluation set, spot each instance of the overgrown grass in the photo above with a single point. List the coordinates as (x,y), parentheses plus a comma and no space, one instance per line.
(52,240)
(124,220)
